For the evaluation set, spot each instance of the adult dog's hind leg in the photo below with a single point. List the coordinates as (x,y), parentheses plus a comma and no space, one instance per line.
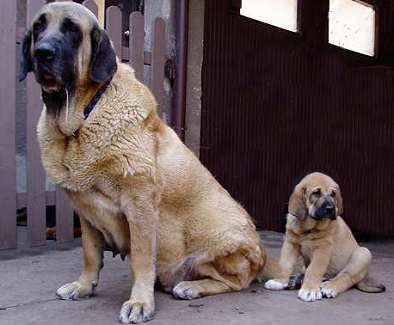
(355,271)
(93,247)
(231,273)
(199,288)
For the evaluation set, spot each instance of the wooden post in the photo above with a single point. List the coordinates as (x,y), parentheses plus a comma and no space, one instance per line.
(8,237)
(114,28)
(92,6)
(136,44)
(158,61)
(36,208)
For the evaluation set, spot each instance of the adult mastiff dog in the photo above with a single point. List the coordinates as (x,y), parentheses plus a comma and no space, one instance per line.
(134,184)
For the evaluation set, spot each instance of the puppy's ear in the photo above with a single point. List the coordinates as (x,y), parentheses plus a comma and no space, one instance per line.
(103,61)
(297,205)
(26,63)
(339,200)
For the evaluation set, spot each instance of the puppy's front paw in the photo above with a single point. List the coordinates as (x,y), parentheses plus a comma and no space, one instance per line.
(327,289)
(275,285)
(136,312)
(309,294)
(75,290)
(185,290)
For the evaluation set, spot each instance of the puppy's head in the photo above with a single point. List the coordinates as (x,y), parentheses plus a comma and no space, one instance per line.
(65,48)
(317,196)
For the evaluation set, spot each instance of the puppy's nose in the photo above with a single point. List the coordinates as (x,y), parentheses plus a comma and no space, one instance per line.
(44,51)
(330,209)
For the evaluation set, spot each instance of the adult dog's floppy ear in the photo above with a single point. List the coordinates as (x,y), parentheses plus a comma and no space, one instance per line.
(297,206)
(26,64)
(103,62)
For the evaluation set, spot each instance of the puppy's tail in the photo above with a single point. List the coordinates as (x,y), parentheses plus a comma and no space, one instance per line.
(369,284)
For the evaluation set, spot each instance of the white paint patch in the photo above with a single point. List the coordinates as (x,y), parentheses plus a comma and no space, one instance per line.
(281,13)
(275,285)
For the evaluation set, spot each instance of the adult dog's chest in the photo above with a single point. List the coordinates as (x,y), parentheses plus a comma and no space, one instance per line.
(100,207)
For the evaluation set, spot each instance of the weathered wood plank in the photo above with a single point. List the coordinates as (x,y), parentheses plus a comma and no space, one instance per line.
(21,199)
(64,218)
(35,175)
(8,237)
(92,6)
(136,44)
(114,28)
(158,61)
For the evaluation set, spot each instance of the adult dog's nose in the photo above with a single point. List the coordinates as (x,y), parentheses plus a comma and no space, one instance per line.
(44,51)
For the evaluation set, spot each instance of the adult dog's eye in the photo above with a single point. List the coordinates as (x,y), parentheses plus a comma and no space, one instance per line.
(333,193)
(69,25)
(37,26)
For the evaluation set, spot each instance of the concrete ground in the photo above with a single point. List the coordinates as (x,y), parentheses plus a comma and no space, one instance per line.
(29,279)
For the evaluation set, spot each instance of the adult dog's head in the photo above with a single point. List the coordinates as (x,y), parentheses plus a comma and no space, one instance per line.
(66,48)
(317,196)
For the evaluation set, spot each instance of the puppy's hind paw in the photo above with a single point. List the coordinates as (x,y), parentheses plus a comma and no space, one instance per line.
(327,290)
(309,295)
(275,285)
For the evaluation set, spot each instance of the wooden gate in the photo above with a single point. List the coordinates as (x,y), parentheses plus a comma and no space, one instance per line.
(36,197)
(277,105)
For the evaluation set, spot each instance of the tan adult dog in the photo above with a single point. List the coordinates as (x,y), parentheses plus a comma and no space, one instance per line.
(316,231)
(134,184)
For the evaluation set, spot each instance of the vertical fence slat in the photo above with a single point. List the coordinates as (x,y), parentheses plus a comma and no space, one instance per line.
(36,211)
(114,28)
(64,218)
(136,44)
(91,5)
(158,61)
(7,124)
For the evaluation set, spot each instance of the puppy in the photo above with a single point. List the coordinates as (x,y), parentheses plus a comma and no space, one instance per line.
(316,231)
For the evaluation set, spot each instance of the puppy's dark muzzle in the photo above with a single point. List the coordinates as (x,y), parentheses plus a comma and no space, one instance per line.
(326,210)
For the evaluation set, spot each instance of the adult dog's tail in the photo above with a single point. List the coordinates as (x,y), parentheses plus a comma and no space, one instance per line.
(369,284)
(270,268)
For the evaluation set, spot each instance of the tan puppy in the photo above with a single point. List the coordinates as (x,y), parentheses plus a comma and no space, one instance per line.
(316,231)
(134,184)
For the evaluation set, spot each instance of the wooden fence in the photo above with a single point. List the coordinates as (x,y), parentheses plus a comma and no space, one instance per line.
(36,197)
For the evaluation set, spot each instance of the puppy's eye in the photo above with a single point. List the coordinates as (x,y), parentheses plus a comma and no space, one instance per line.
(333,194)
(316,192)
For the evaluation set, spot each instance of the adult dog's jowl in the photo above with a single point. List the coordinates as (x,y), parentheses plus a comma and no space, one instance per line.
(135,186)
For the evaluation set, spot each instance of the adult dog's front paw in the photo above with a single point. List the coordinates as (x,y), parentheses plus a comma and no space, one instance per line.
(328,290)
(133,312)
(275,285)
(75,290)
(309,294)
